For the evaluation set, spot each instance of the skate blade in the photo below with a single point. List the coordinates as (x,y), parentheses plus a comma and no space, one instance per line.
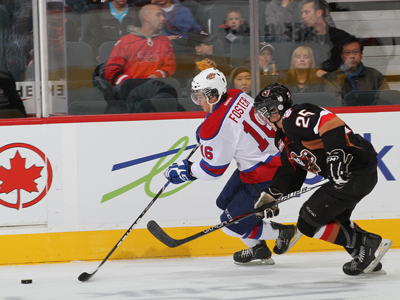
(296,237)
(258,262)
(383,248)
(380,272)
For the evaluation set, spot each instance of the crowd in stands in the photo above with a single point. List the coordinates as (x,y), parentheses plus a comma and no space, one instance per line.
(300,46)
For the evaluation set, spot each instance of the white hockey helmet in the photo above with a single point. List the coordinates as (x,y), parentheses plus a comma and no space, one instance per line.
(211,82)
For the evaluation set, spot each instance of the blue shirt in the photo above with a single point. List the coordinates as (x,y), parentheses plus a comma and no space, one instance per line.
(116,14)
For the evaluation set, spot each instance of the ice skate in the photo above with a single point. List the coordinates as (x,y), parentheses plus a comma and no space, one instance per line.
(366,262)
(288,236)
(350,268)
(257,255)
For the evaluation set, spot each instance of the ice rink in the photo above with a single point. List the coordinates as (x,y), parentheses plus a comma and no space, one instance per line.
(294,276)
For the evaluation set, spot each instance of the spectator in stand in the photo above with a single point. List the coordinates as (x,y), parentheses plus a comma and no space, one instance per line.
(200,57)
(325,40)
(179,21)
(266,63)
(144,53)
(59,31)
(283,19)
(57,25)
(109,22)
(9,97)
(352,74)
(235,26)
(241,79)
(301,78)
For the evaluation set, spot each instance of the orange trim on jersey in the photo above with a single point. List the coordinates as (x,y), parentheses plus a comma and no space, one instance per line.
(329,122)
(348,143)
(312,145)
(331,232)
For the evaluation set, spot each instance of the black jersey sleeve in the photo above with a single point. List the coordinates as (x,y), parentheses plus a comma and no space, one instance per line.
(289,177)
(334,138)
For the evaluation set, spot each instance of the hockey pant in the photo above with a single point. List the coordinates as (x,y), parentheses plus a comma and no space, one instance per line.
(237,198)
(326,214)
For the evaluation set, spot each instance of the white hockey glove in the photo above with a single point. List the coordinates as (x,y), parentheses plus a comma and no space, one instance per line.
(265,198)
(179,173)
(338,165)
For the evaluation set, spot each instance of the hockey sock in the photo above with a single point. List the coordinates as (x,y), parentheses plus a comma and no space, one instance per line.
(261,231)
(342,234)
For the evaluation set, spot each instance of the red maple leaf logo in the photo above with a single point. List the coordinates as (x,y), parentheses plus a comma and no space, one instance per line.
(18,177)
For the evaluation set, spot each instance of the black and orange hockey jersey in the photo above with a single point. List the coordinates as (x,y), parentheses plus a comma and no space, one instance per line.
(309,132)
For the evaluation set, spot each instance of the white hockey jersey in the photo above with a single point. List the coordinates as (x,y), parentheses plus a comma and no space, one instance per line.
(232,132)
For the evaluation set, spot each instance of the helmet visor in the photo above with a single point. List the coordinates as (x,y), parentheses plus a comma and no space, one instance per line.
(263,114)
(198,96)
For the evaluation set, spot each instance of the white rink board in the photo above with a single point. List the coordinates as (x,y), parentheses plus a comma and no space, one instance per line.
(82,156)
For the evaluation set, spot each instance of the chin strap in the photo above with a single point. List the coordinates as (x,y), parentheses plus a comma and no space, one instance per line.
(213,104)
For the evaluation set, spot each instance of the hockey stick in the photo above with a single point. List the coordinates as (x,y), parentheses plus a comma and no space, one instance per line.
(164,238)
(86,276)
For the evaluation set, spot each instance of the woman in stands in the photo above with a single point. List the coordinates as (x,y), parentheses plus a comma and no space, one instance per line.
(301,78)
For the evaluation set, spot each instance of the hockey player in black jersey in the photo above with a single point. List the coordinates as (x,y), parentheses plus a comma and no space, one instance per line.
(313,139)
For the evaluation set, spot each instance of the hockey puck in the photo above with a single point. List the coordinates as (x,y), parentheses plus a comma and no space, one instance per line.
(26,281)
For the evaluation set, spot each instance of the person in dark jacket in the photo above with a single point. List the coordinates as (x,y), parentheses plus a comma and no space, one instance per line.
(179,21)
(9,97)
(352,74)
(109,22)
(199,57)
(326,41)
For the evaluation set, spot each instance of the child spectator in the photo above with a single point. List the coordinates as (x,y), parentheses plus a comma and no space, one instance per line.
(235,26)
(241,79)
(265,60)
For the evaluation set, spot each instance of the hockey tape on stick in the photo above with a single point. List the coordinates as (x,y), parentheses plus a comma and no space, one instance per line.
(164,238)
(86,276)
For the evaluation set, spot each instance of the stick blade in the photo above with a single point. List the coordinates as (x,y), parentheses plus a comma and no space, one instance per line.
(160,234)
(85,276)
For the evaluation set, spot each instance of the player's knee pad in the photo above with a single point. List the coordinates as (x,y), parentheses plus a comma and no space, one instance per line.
(306,228)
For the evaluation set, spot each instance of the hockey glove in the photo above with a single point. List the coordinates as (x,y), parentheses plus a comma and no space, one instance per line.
(338,165)
(271,195)
(179,173)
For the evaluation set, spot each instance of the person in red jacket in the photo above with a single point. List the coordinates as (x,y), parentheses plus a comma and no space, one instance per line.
(144,53)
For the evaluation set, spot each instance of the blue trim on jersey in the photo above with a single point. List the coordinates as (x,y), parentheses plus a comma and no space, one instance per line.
(206,166)
(222,120)
(252,168)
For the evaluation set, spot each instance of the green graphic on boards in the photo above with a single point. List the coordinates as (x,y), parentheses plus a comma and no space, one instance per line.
(158,168)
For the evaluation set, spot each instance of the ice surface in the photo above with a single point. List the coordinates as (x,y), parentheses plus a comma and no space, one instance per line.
(294,276)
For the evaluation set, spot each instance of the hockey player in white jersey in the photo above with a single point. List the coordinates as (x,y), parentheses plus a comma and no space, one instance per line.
(230,131)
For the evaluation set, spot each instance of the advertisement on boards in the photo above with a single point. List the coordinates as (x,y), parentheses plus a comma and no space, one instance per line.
(102,175)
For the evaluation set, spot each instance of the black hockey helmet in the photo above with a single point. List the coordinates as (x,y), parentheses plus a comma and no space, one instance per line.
(273,99)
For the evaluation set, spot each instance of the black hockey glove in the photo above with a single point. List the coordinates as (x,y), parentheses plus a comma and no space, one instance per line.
(338,165)
(268,196)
